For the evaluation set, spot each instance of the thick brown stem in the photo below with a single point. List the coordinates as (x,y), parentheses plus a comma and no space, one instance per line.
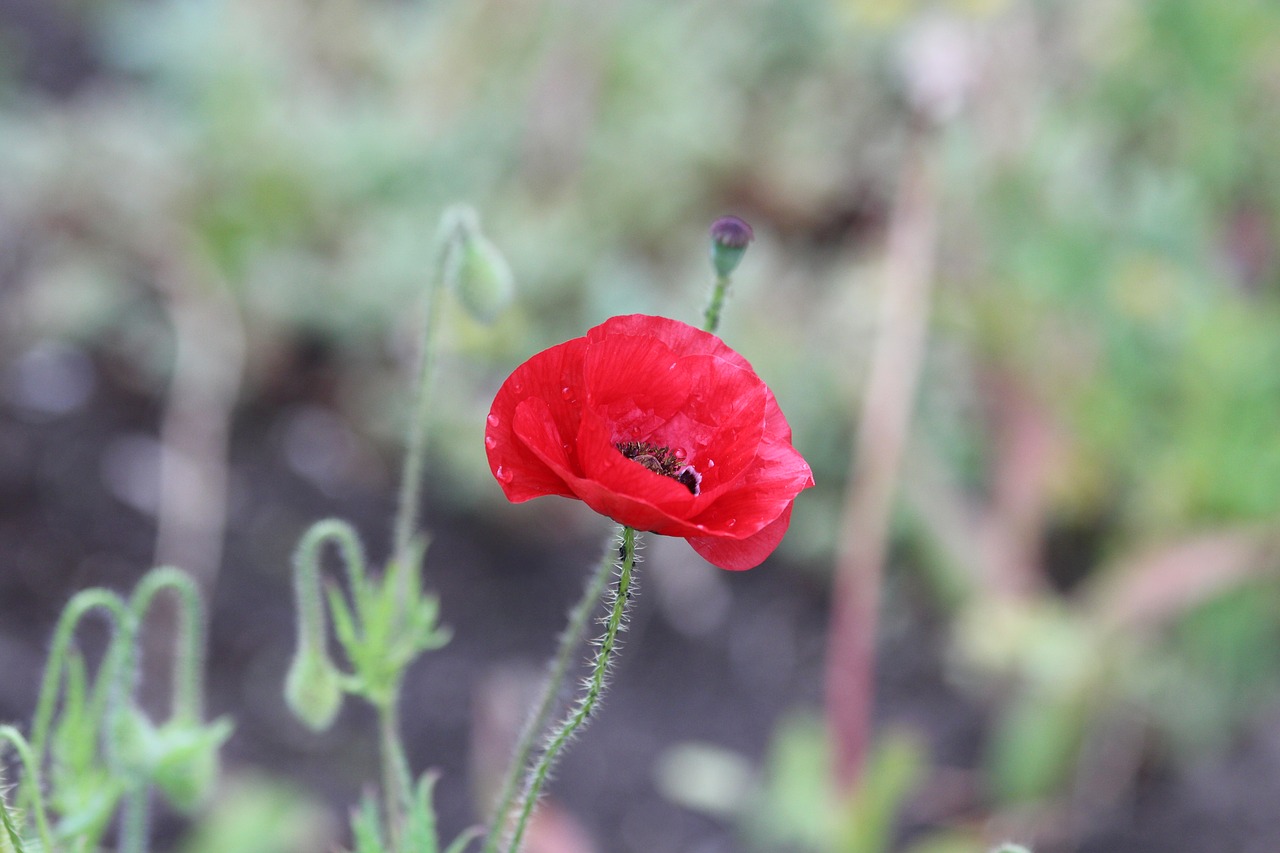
(881,437)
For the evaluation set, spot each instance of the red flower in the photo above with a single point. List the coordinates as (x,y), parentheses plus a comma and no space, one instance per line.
(659,426)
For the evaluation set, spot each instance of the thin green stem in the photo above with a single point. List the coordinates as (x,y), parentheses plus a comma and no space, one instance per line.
(416,437)
(134,817)
(397,784)
(312,623)
(570,640)
(595,687)
(188,668)
(80,604)
(711,318)
(30,781)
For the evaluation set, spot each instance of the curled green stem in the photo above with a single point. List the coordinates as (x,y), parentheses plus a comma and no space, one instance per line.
(570,640)
(312,623)
(80,605)
(586,705)
(188,689)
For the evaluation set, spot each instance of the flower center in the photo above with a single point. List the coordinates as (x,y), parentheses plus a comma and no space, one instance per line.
(661,460)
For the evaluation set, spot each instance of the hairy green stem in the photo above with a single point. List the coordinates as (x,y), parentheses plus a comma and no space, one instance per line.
(711,318)
(77,608)
(30,781)
(595,687)
(188,688)
(312,623)
(132,837)
(570,640)
(397,784)
(407,511)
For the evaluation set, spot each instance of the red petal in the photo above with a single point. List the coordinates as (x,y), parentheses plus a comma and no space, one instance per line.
(544,377)
(737,555)
(634,490)
(634,384)
(678,337)
(769,486)
(720,424)
(627,492)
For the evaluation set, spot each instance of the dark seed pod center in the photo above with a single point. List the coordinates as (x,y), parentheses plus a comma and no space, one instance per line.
(662,461)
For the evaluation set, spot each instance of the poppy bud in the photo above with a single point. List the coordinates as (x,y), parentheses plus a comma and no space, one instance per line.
(313,688)
(729,238)
(485,283)
(475,267)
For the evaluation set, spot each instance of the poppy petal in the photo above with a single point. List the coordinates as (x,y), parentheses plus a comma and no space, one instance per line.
(544,377)
(738,555)
(557,422)
(634,384)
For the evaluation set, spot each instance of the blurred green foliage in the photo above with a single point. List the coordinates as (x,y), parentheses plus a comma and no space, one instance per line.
(1109,216)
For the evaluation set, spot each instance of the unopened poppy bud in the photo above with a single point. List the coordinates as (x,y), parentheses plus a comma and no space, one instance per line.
(474,266)
(313,688)
(485,283)
(729,238)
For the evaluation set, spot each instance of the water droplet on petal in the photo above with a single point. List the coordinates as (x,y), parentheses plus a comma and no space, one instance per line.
(711,463)
(490,442)
(566,392)
(517,387)
(731,522)
(503,474)
(493,420)
(679,452)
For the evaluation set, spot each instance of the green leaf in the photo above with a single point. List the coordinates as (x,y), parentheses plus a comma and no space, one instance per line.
(892,770)
(344,624)
(420,828)
(366,828)
(186,767)
(75,737)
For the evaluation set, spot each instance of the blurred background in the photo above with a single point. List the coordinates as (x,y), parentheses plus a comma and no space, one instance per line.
(1015,284)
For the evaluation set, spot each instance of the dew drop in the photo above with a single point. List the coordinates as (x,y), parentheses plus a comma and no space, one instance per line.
(566,392)
(517,387)
(711,463)
(490,442)
(492,420)
(679,452)
(503,474)
(731,522)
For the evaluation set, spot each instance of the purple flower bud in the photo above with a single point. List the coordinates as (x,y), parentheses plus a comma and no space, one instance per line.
(732,232)
(729,238)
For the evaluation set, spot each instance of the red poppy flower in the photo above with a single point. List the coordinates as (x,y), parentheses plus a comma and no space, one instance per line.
(659,426)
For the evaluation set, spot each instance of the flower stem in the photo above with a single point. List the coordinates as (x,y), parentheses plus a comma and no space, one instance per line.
(80,604)
(884,425)
(30,780)
(132,836)
(416,437)
(188,691)
(396,783)
(570,639)
(711,319)
(595,687)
